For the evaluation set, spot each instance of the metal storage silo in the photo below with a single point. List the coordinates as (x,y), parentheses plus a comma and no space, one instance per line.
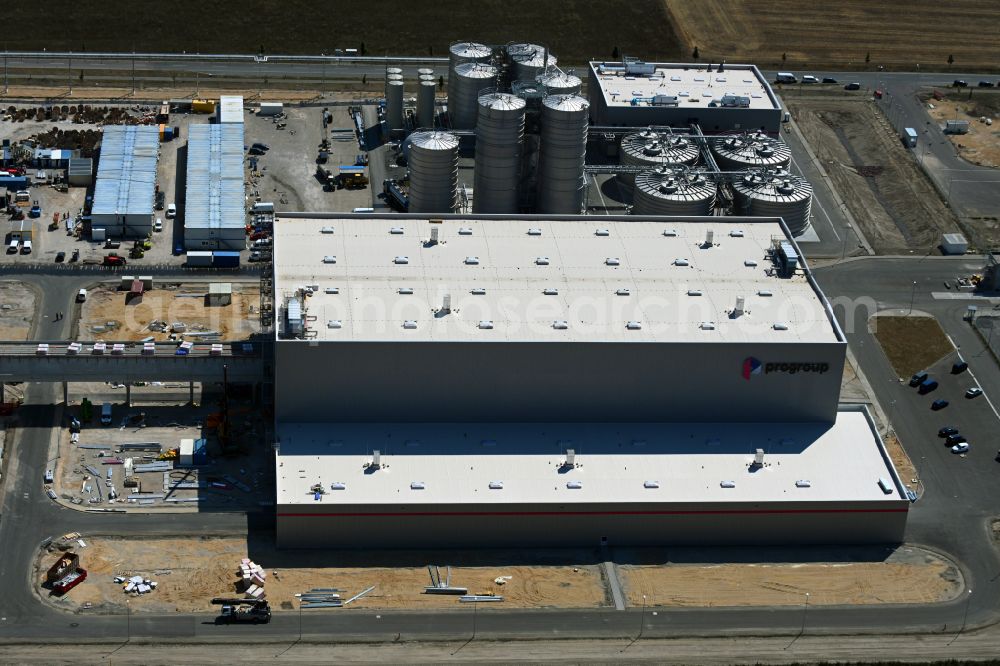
(393,70)
(424,70)
(529,60)
(433,161)
(394,104)
(470,79)
(749,150)
(499,134)
(673,190)
(425,77)
(393,77)
(650,149)
(425,103)
(463,52)
(562,153)
(560,83)
(775,193)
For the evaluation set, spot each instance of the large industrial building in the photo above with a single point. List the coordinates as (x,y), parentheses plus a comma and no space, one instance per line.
(215,207)
(126,181)
(719,99)
(519,380)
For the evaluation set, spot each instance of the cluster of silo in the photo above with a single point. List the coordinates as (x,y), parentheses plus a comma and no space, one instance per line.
(673,190)
(468,80)
(528,61)
(459,54)
(499,136)
(556,82)
(394,98)
(433,162)
(562,154)
(651,148)
(775,192)
(754,149)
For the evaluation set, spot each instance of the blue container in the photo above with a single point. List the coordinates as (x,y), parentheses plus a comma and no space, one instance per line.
(168,133)
(200,454)
(226,259)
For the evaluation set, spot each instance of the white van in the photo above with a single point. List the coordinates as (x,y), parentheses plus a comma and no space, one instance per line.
(785,77)
(106,414)
(14,246)
(81,296)
(26,247)
(809,78)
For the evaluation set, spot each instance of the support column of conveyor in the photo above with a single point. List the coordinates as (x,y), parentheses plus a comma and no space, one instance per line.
(66,393)
(128,395)
(191,392)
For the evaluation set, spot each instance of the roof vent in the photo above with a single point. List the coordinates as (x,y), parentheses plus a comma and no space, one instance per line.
(738,311)
(622,292)
(550,291)
(410,323)
(758,458)
(670,232)
(680,262)
(707,326)
(337,485)
(401,260)
(333,323)
(396,230)
(633,326)
(376,460)
(727,484)
(612,261)
(750,262)
(574,485)
(417,485)
(534,231)
(602,232)
(570,460)
(694,292)
(326,230)
(464,231)
(736,233)
(434,236)
(486,324)
(496,485)
(803,483)
(472,261)
(651,484)
(709,239)
(765,293)
(329,259)
(560,324)
(446,304)
(542,261)
(778,326)
(406,290)
(477,291)
(332,290)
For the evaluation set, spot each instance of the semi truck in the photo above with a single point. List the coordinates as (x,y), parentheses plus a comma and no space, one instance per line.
(254,611)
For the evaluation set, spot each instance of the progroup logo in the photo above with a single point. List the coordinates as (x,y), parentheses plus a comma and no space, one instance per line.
(751,366)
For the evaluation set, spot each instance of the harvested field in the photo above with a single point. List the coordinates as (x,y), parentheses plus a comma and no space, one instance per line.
(909,576)
(168,303)
(982,144)
(17,310)
(911,343)
(574,29)
(882,184)
(190,571)
(841,35)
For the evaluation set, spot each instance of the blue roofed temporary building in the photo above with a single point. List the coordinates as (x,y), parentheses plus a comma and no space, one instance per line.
(126,180)
(214,213)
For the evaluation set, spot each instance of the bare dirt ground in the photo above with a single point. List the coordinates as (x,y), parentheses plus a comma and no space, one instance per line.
(982,144)
(909,575)
(17,309)
(189,572)
(911,343)
(880,181)
(183,303)
(850,34)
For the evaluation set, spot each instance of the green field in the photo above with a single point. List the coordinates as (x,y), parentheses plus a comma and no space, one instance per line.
(575,30)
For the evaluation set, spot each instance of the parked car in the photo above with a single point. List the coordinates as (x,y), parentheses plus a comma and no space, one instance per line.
(959,367)
(947,430)
(60,257)
(255,151)
(809,78)
(986,84)
(49,476)
(171,210)
(939,404)
(853,85)
(927,386)
(959,83)
(952,440)
(960,448)
(114,260)
(261,146)
(974,392)
(75,256)
(158,225)
(918,379)
(161,199)
(829,79)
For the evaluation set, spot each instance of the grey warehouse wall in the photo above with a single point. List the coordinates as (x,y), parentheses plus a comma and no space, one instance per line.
(549,382)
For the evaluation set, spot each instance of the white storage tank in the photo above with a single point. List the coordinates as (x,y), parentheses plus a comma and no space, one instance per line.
(470,79)
(562,154)
(749,150)
(425,104)
(433,162)
(394,104)
(557,82)
(529,60)
(673,190)
(775,193)
(460,53)
(499,135)
(650,149)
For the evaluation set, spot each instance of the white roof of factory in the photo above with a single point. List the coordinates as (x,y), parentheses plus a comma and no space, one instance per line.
(215,194)
(231,109)
(693,86)
(583,279)
(525,463)
(126,170)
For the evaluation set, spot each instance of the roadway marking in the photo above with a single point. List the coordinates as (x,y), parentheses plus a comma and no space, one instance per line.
(988,401)
(961,296)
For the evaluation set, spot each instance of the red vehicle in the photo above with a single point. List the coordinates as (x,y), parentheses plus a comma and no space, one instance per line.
(69,581)
(114,260)
(259,234)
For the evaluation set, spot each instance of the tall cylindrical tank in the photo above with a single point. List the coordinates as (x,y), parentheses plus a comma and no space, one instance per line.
(749,150)
(562,153)
(433,162)
(394,104)
(499,133)
(462,52)
(463,100)
(651,148)
(673,190)
(425,103)
(393,70)
(529,60)
(775,193)
(560,83)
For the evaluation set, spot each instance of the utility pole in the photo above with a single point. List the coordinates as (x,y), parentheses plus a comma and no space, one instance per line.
(69,72)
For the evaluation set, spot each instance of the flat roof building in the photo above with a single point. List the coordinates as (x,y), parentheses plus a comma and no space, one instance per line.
(230,109)
(126,180)
(214,209)
(638,94)
(523,380)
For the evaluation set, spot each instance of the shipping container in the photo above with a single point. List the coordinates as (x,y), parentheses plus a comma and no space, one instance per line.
(199,258)
(271,108)
(225,259)
(203,106)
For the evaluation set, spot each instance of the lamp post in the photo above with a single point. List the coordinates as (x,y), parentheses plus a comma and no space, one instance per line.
(805,609)
(642,617)
(965,616)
